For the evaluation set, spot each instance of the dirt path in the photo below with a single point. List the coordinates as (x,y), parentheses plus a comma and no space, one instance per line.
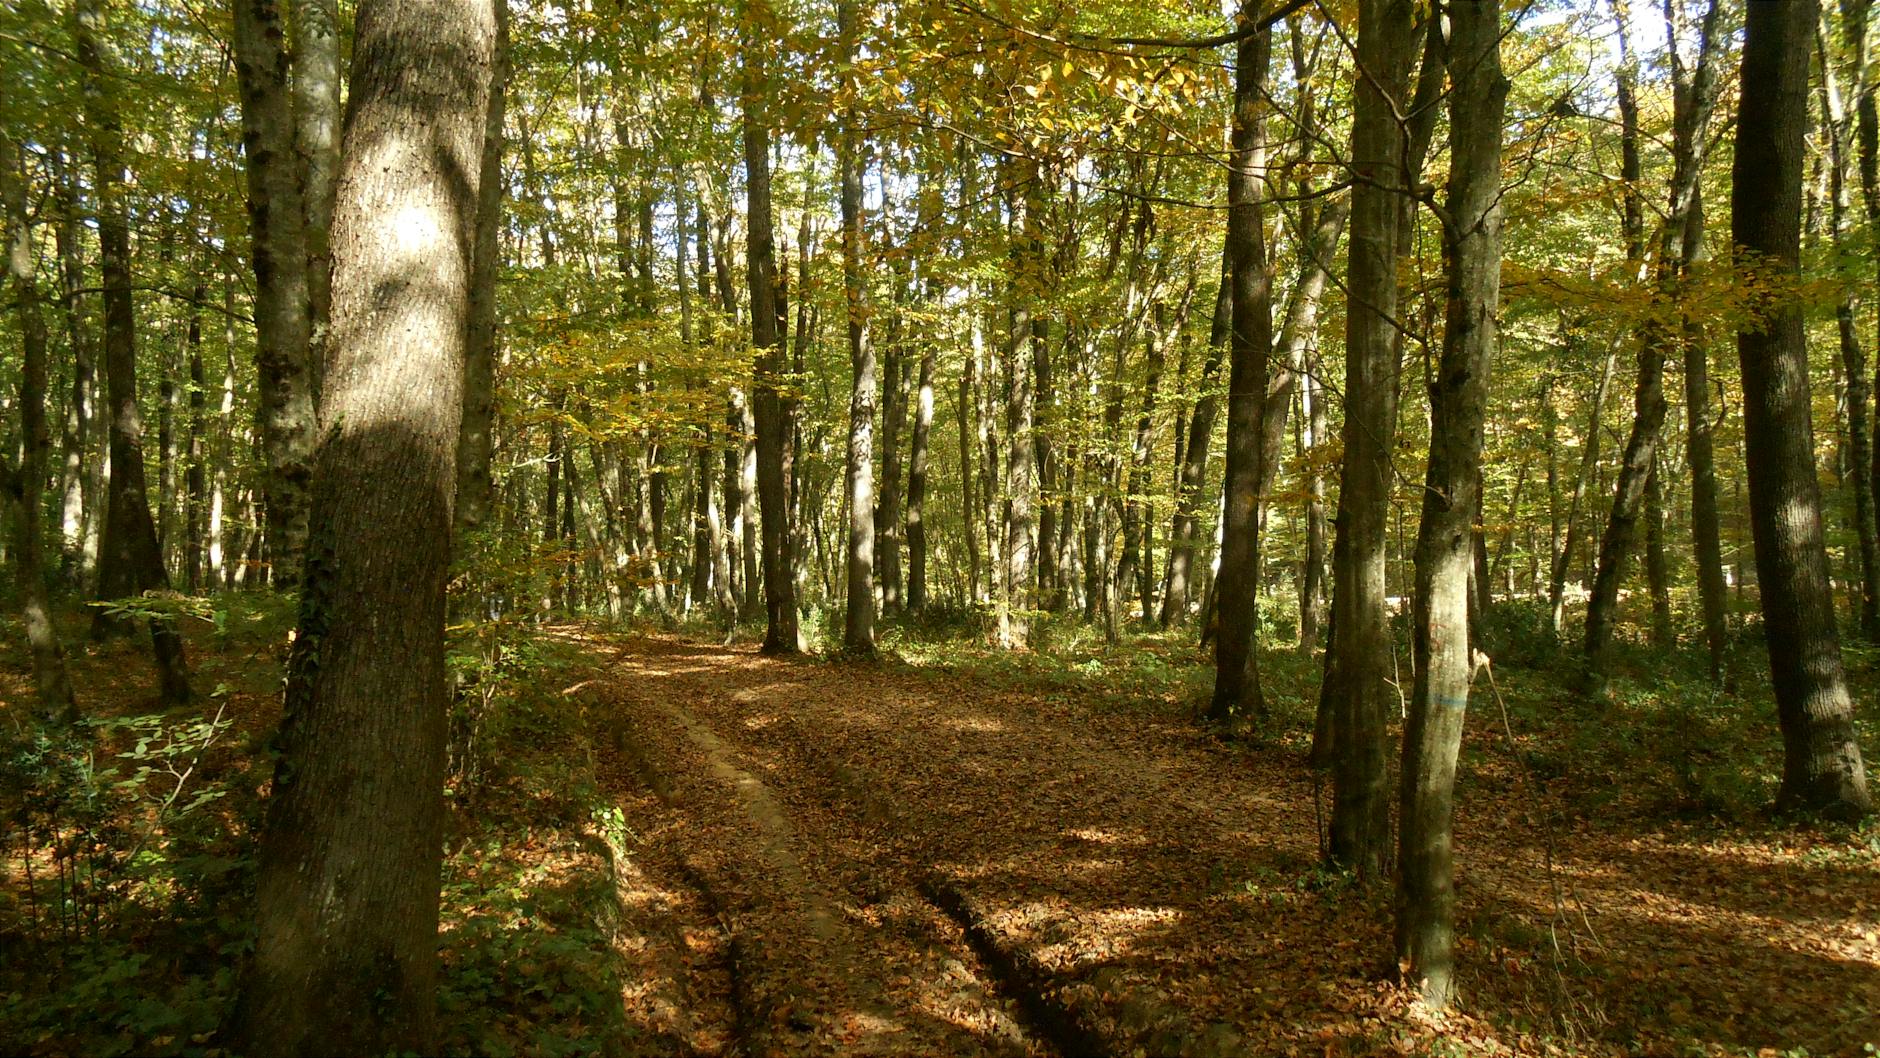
(908,863)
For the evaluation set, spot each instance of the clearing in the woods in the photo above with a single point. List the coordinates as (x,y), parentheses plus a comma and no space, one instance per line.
(906,860)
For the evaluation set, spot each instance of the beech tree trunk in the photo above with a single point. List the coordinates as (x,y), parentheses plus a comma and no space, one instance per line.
(1452,495)
(316,125)
(1822,769)
(1017,595)
(858,627)
(1192,473)
(772,418)
(476,438)
(345,953)
(129,562)
(1359,665)
(1837,135)
(82,467)
(1641,448)
(279,249)
(1237,693)
(24,484)
(917,482)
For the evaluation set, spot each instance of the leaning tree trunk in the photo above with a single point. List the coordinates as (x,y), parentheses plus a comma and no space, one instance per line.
(24,485)
(858,625)
(345,957)
(1822,769)
(1451,497)
(1641,447)
(1237,694)
(767,401)
(129,560)
(1192,472)
(1359,660)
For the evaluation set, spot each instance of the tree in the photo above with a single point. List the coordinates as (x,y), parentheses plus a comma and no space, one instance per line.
(1359,660)
(129,560)
(1459,390)
(347,885)
(1237,672)
(23,484)
(277,217)
(1822,769)
(768,403)
(476,436)
(858,628)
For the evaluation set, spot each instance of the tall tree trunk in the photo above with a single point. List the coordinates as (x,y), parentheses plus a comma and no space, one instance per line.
(196,483)
(1822,769)
(858,626)
(1312,584)
(24,485)
(79,514)
(1451,497)
(771,413)
(917,481)
(1298,335)
(345,957)
(279,250)
(1237,694)
(1837,134)
(1360,657)
(1017,587)
(888,513)
(1657,567)
(316,125)
(1583,479)
(1194,465)
(969,483)
(1050,582)
(476,438)
(1129,565)
(129,561)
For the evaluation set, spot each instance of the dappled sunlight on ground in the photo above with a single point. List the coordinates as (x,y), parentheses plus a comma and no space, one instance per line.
(1166,888)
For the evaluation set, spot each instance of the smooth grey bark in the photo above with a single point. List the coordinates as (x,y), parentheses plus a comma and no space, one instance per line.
(129,562)
(1192,472)
(81,469)
(1017,584)
(769,408)
(23,483)
(858,625)
(1237,694)
(196,481)
(1837,128)
(278,250)
(476,438)
(1359,661)
(316,125)
(1452,494)
(345,956)
(1822,768)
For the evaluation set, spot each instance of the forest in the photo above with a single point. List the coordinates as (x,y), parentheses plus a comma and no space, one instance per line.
(939,527)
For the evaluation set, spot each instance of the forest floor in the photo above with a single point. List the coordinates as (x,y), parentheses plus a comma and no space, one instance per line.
(661,845)
(916,861)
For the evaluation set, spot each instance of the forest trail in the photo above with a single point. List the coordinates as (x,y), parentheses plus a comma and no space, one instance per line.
(908,861)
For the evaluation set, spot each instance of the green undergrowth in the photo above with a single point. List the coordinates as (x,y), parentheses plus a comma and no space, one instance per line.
(125,912)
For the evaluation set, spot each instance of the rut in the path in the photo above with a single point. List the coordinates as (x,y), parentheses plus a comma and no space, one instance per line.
(1143,887)
(830,954)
